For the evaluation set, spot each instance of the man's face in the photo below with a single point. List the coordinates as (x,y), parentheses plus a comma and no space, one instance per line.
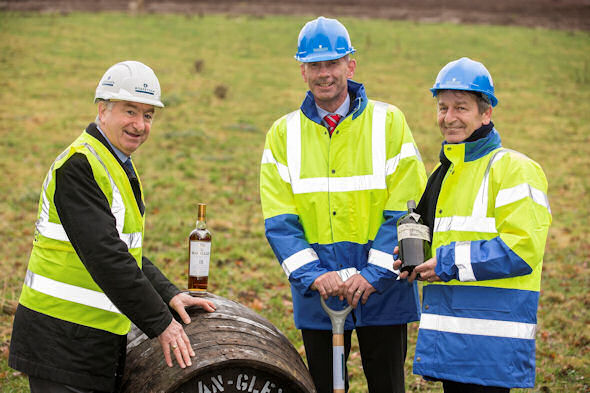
(127,124)
(327,81)
(458,115)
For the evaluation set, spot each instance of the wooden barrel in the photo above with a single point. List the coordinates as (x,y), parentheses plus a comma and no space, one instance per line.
(236,350)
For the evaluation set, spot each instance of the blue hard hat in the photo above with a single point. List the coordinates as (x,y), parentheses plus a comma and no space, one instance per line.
(323,39)
(465,74)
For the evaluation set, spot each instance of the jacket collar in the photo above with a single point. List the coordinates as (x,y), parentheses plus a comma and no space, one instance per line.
(471,151)
(358,102)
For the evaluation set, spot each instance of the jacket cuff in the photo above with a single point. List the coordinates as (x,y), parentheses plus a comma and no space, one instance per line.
(157,329)
(445,268)
(305,276)
(380,278)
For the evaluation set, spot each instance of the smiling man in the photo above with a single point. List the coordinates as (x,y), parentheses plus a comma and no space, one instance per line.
(335,177)
(488,214)
(87,277)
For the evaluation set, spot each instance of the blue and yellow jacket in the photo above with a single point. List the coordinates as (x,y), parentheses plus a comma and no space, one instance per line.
(492,217)
(331,204)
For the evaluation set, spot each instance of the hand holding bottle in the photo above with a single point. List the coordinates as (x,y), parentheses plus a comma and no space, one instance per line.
(413,239)
(423,272)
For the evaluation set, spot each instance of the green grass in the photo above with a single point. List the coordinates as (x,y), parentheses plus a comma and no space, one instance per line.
(207,149)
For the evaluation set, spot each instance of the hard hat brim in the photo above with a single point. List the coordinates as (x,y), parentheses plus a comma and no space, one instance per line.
(493,99)
(140,100)
(315,57)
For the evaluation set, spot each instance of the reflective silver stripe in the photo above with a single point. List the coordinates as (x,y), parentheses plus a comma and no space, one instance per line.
(480,205)
(408,150)
(463,261)
(477,222)
(294,145)
(475,326)
(46,228)
(299,259)
(345,274)
(337,184)
(117,206)
(56,231)
(50,229)
(381,259)
(268,158)
(69,292)
(133,240)
(465,224)
(521,191)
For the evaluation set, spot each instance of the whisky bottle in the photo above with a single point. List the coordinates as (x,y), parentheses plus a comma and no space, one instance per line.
(413,239)
(199,253)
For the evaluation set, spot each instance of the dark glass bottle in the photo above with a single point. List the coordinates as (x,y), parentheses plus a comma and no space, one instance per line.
(413,239)
(199,253)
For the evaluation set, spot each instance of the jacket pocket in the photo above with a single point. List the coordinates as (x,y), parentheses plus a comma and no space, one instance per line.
(479,299)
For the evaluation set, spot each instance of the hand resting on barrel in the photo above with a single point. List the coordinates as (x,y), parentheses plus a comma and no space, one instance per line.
(174,338)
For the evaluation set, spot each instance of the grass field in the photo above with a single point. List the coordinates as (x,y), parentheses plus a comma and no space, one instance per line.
(206,145)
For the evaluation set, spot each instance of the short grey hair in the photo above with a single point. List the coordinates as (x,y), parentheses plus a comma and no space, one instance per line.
(483,102)
(109,105)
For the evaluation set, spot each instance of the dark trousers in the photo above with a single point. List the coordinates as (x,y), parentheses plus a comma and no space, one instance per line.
(38,385)
(383,353)
(457,387)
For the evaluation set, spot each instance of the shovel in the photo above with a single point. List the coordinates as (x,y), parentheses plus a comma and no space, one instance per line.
(338,362)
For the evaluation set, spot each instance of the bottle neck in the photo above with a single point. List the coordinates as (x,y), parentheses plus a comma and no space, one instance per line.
(201,223)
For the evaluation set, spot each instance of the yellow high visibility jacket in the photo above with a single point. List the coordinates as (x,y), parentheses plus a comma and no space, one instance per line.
(56,282)
(331,204)
(491,223)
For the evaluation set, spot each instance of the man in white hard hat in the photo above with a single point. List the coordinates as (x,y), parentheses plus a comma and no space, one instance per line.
(335,177)
(489,216)
(87,277)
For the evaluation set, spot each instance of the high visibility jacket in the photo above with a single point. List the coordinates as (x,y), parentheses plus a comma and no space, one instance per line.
(331,204)
(491,223)
(57,283)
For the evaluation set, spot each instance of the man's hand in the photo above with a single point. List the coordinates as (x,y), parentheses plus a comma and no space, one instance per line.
(174,337)
(356,288)
(182,300)
(426,270)
(328,284)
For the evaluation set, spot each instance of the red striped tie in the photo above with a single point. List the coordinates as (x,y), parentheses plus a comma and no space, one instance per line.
(332,121)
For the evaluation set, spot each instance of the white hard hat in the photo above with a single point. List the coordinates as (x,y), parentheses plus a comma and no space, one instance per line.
(130,81)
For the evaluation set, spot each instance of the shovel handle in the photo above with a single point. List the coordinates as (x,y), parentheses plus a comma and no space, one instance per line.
(336,317)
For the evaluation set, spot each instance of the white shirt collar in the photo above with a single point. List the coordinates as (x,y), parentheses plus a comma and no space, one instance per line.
(342,109)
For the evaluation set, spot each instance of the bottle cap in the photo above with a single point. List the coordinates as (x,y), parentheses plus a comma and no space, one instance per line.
(202,209)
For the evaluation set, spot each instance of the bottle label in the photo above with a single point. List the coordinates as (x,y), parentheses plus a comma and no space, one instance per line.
(413,231)
(199,262)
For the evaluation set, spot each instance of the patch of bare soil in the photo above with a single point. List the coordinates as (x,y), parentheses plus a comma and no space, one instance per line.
(553,14)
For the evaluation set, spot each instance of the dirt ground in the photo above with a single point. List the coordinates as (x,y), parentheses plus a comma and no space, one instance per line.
(554,14)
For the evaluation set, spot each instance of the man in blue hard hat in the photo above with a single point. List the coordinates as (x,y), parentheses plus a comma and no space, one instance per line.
(489,215)
(336,175)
